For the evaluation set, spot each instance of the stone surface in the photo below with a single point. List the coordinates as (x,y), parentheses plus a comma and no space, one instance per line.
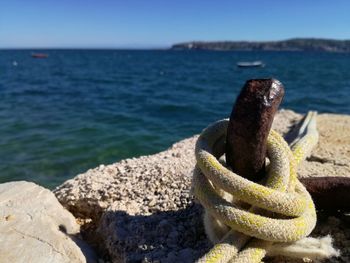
(34,227)
(331,157)
(166,236)
(139,185)
(142,209)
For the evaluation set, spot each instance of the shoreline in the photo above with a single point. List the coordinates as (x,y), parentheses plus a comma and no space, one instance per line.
(293,44)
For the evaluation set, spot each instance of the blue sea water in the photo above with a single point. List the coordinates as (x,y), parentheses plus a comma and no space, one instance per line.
(77,109)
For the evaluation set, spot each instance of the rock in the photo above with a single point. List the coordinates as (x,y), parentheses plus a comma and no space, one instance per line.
(138,180)
(331,157)
(148,237)
(143,210)
(34,227)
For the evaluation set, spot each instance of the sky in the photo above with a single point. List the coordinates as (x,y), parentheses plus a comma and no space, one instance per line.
(161,23)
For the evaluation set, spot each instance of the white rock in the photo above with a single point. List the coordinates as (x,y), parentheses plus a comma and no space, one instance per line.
(34,227)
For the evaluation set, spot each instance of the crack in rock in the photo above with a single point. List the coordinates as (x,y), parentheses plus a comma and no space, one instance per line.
(314,158)
(38,239)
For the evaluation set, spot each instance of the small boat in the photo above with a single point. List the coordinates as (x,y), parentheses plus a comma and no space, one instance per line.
(252,64)
(39,55)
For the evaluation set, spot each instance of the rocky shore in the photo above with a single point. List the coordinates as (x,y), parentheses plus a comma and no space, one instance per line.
(294,44)
(142,209)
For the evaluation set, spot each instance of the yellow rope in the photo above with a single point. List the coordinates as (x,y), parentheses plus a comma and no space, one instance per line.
(281,209)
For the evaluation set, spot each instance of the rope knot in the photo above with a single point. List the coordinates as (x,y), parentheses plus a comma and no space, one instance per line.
(229,221)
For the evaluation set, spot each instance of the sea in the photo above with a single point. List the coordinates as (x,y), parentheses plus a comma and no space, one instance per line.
(77,109)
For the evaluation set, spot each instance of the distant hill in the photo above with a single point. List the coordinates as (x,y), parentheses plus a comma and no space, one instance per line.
(295,44)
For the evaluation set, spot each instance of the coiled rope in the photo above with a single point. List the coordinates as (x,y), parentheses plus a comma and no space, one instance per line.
(281,208)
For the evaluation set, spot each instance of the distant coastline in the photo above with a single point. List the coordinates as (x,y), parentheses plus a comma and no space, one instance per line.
(294,44)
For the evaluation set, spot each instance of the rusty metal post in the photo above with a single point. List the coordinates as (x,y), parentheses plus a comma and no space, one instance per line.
(250,123)
(249,126)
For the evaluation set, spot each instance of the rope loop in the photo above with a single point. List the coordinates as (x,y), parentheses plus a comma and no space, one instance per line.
(278,210)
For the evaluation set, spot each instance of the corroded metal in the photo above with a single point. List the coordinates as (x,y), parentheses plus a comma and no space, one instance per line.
(249,126)
(329,193)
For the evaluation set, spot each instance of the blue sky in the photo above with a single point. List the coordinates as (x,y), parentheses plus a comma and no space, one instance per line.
(160,23)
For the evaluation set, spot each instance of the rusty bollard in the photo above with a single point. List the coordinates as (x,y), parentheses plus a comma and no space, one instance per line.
(250,123)
(329,193)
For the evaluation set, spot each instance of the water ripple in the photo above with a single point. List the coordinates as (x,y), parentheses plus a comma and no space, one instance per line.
(78,109)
